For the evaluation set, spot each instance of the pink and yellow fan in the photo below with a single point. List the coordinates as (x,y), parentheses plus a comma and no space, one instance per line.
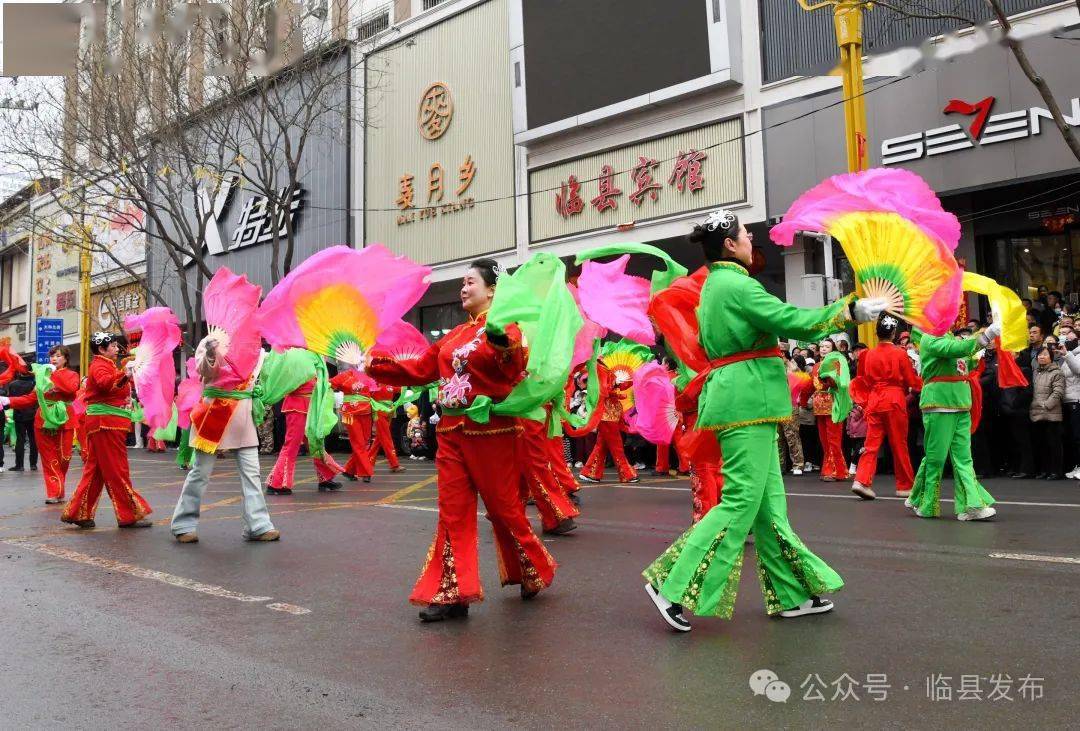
(230,306)
(338,302)
(897,237)
(402,341)
(654,394)
(153,371)
(624,358)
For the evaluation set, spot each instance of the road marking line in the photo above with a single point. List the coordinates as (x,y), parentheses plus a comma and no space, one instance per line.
(407,507)
(165,578)
(1036,557)
(407,490)
(853,497)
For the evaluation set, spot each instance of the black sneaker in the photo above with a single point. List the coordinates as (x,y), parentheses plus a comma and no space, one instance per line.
(278,490)
(367,479)
(632,480)
(329,485)
(439,612)
(564,526)
(574,498)
(527,594)
(349,477)
(813,605)
(672,613)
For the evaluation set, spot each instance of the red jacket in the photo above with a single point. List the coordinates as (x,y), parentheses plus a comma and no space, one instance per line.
(106,384)
(467,366)
(65,386)
(886,375)
(351,383)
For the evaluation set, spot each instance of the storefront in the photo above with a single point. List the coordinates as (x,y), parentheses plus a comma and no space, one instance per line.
(438,154)
(977,131)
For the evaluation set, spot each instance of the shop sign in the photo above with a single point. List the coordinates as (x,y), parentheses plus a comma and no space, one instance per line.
(436,190)
(255,224)
(984,129)
(685,171)
(109,308)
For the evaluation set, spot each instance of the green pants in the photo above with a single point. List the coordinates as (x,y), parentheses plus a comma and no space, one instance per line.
(185,452)
(701,569)
(948,435)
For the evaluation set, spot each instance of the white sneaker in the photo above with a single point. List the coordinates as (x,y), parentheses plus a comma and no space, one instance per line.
(2,469)
(808,467)
(983,513)
(639,466)
(578,465)
(903,493)
(862,490)
(813,605)
(672,613)
(796,471)
(907,501)
(1075,474)
(851,470)
(920,513)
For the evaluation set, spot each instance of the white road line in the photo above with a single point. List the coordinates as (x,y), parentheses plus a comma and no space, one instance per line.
(172,580)
(1036,557)
(849,496)
(406,507)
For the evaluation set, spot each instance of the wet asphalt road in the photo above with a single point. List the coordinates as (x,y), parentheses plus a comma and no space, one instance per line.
(105,628)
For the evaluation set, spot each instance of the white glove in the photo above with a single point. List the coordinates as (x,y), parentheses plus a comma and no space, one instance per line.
(434,419)
(868,309)
(4,402)
(988,335)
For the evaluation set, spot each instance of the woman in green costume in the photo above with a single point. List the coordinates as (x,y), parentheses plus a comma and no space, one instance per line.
(743,397)
(946,407)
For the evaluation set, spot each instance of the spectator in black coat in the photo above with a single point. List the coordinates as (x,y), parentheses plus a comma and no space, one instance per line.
(24,422)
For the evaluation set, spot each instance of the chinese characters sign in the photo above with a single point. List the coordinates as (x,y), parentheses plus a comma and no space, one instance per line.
(436,192)
(436,111)
(687,171)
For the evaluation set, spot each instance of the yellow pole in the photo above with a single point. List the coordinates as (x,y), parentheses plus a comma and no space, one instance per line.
(86,263)
(847,19)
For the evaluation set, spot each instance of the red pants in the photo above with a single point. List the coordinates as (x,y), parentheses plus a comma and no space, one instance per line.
(468,465)
(831,435)
(608,439)
(383,440)
(663,454)
(894,424)
(54,448)
(106,465)
(557,462)
(285,467)
(359,428)
(706,484)
(538,478)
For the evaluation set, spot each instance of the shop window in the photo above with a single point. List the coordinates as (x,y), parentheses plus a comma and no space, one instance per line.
(1041,261)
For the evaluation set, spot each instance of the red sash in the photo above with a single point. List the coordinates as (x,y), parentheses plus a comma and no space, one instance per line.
(693,389)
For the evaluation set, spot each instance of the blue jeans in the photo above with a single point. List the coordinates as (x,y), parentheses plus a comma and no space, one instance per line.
(256,516)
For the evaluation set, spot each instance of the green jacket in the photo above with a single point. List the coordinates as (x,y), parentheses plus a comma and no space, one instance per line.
(736,315)
(946,355)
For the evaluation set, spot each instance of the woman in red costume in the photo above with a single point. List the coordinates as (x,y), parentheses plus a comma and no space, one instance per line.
(885,374)
(609,433)
(295,408)
(473,366)
(53,443)
(540,482)
(383,439)
(833,465)
(106,424)
(356,416)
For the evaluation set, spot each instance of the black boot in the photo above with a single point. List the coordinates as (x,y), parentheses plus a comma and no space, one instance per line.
(439,612)
(329,485)
(564,526)
(278,490)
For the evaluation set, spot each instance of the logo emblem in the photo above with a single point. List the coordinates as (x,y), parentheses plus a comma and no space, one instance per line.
(981,110)
(436,111)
